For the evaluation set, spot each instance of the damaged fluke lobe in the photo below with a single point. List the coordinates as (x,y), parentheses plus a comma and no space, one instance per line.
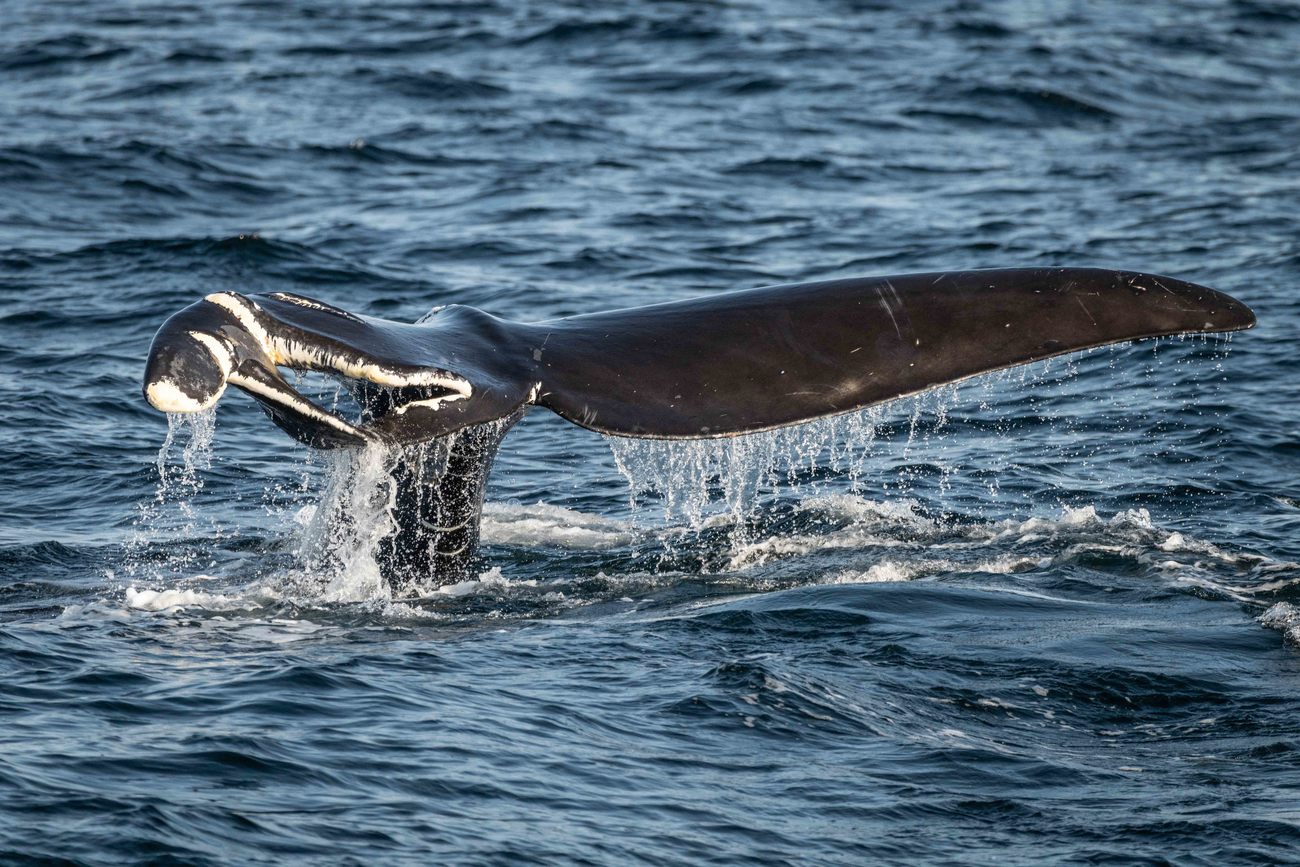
(723,365)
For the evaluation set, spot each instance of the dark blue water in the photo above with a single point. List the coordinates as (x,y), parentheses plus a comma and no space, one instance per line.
(1046,617)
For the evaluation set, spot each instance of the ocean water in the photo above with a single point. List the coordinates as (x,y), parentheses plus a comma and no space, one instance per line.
(1052,615)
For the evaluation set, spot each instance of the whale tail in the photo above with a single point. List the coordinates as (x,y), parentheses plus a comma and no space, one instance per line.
(715,366)
(722,365)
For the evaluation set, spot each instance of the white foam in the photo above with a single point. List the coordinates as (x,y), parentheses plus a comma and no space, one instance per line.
(162,600)
(894,571)
(1070,520)
(873,524)
(492,580)
(857,508)
(1285,618)
(542,524)
(899,525)
(1178,543)
(887,572)
(758,553)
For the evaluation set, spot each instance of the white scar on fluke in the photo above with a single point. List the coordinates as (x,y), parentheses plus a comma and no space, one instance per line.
(297,403)
(433,403)
(164,395)
(291,353)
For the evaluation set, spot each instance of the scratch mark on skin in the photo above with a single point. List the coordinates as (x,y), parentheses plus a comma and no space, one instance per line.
(1164,287)
(1079,301)
(433,403)
(537,353)
(888,309)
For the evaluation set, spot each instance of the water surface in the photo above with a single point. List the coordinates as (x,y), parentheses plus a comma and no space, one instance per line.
(1048,616)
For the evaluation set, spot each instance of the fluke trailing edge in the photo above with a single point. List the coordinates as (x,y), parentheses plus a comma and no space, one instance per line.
(446,390)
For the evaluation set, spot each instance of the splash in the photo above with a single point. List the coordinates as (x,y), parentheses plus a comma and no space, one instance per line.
(398,514)
(163,600)
(690,476)
(377,506)
(197,430)
(899,483)
(858,497)
(338,543)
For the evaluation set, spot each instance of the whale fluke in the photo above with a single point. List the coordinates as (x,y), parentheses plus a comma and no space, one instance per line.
(750,361)
(721,365)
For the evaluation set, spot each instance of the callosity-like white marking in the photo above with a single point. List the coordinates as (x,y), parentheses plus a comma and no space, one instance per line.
(314,305)
(246,312)
(291,353)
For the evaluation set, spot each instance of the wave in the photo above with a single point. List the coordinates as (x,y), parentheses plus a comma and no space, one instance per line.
(1012,104)
(583,32)
(433,84)
(1285,618)
(73,48)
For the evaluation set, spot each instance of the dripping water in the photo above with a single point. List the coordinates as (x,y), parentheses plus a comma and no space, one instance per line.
(897,453)
(169,533)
